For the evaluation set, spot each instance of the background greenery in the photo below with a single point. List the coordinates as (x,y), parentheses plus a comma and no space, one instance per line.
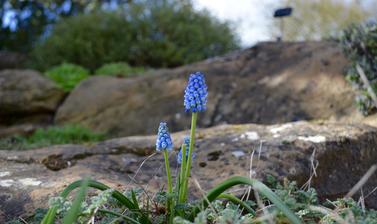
(146,33)
(67,76)
(55,135)
(359,43)
(120,69)
(321,19)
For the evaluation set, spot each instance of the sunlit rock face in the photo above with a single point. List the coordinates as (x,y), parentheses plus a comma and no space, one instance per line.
(341,153)
(266,84)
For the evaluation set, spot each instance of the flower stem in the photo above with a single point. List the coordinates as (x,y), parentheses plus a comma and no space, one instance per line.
(168,174)
(182,173)
(189,159)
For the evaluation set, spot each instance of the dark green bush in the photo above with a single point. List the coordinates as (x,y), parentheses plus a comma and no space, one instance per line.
(146,33)
(67,76)
(119,69)
(359,43)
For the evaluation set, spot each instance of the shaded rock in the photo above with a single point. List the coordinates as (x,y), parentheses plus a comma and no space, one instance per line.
(11,60)
(22,129)
(27,98)
(269,83)
(343,154)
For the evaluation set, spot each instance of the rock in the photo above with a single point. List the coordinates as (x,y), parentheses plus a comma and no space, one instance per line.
(343,154)
(27,98)
(266,84)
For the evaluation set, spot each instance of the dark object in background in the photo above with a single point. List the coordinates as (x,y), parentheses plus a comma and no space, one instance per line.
(280,14)
(283,12)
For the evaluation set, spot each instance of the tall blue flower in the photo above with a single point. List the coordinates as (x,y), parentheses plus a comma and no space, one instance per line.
(186,141)
(195,99)
(163,141)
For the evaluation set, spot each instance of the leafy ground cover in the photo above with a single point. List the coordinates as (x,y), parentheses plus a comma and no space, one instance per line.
(103,208)
(120,69)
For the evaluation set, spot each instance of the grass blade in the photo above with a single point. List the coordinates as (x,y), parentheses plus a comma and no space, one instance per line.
(258,186)
(236,200)
(74,211)
(130,220)
(51,214)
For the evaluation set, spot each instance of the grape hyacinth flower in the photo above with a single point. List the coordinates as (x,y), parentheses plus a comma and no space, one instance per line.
(163,141)
(186,141)
(165,144)
(195,98)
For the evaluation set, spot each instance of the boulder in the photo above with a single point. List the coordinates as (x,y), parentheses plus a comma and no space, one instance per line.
(269,83)
(328,156)
(27,98)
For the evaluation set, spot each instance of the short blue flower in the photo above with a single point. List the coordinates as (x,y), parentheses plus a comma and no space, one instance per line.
(163,141)
(195,99)
(186,141)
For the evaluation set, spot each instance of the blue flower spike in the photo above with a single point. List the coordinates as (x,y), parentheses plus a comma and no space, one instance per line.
(186,141)
(195,99)
(163,141)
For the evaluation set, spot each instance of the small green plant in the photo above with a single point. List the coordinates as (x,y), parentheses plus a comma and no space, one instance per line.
(119,69)
(68,134)
(67,76)
(359,43)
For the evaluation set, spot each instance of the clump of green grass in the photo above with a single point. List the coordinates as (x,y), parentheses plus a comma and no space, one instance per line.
(67,75)
(119,69)
(57,135)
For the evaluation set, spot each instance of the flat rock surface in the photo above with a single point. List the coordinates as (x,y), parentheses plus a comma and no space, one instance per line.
(343,154)
(266,84)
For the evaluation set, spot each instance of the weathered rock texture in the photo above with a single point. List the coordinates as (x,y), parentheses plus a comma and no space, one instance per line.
(343,154)
(26,98)
(269,83)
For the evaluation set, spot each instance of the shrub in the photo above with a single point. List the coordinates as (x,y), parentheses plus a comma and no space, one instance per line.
(119,69)
(359,43)
(67,75)
(68,134)
(146,33)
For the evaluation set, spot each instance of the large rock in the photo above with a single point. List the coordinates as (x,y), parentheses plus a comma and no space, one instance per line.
(26,98)
(269,83)
(341,154)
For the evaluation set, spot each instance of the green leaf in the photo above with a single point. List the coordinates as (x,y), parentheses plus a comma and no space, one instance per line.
(74,211)
(236,200)
(215,192)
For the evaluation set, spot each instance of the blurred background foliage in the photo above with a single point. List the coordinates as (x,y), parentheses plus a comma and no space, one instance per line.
(165,33)
(119,69)
(359,43)
(24,22)
(67,76)
(321,19)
